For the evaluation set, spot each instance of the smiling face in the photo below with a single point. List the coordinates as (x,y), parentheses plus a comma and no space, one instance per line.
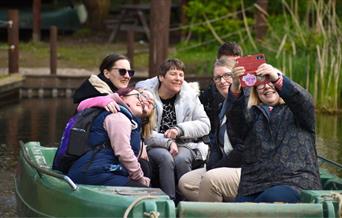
(223,79)
(268,94)
(132,99)
(171,83)
(148,102)
(119,81)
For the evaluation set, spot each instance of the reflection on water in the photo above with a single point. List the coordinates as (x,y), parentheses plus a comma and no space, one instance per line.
(329,137)
(30,120)
(44,120)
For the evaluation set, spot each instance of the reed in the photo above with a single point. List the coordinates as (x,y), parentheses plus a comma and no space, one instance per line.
(309,50)
(304,41)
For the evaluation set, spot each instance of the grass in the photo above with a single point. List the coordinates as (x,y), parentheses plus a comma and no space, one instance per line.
(89,54)
(83,49)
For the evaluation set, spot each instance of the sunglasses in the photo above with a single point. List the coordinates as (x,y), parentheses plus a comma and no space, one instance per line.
(123,71)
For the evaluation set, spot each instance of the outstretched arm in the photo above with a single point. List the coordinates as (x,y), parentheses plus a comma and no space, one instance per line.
(108,102)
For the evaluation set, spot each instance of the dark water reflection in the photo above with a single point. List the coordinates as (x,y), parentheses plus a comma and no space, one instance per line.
(44,119)
(30,120)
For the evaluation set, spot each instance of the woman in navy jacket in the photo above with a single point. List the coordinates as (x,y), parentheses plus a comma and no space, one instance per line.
(277,125)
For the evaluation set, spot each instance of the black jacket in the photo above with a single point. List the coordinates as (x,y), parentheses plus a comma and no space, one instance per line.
(212,101)
(87,90)
(280,145)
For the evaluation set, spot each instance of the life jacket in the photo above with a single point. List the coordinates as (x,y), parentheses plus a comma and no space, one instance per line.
(84,131)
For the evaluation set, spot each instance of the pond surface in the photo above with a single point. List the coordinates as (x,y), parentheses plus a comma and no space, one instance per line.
(44,120)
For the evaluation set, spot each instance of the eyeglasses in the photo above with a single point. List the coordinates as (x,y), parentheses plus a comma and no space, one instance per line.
(143,98)
(138,95)
(263,86)
(225,76)
(123,71)
(147,99)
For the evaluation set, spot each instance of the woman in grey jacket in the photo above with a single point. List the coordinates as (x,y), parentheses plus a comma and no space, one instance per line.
(181,123)
(278,129)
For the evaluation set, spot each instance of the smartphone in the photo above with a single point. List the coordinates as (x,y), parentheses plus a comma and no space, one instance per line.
(251,64)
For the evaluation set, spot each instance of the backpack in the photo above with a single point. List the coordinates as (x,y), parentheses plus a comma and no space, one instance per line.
(74,141)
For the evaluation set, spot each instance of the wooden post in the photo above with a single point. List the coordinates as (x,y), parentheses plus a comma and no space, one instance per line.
(130,47)
(260,19)
(36,20)
(13,41)
(159,27)
(53,50)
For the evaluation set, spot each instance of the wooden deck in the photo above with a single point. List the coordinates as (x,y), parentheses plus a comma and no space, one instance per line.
(59,86)
(38,82)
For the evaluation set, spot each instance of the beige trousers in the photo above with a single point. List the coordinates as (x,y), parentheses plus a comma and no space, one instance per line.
(216,185)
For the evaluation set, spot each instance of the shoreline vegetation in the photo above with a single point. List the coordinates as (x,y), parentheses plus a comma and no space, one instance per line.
(304,40)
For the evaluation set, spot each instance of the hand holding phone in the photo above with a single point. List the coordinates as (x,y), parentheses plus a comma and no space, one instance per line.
(251,64)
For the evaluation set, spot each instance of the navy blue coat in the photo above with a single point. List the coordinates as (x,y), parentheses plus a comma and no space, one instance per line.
(279,147)
(100,166)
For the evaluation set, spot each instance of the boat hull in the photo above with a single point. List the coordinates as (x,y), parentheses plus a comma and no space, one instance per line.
(40,194)
(45,196)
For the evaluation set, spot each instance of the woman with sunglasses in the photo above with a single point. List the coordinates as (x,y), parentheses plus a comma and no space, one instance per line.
(115,73)
(277,125)
(115,160)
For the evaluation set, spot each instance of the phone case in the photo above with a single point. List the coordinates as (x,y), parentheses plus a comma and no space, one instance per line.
(251,64)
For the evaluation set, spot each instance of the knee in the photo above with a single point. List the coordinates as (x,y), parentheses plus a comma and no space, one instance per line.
(181,184)
(161,157)
(182,160)
(188,188)
(168,160)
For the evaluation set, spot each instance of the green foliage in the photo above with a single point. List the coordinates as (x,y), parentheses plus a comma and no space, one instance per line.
(196,63)
(304,40)
(222,14)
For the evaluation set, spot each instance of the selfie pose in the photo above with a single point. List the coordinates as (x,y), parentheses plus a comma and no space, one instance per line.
(277,125)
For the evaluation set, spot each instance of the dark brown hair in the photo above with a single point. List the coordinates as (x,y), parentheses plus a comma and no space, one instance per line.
(229,49)
(169,64)
(107,64)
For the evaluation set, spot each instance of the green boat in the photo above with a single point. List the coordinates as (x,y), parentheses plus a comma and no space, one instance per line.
(43,192)
(65,15)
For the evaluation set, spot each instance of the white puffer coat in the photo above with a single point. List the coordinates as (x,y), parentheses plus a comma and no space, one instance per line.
(190,115)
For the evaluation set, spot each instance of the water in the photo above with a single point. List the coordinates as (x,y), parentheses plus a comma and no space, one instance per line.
(30,120)
(44,120)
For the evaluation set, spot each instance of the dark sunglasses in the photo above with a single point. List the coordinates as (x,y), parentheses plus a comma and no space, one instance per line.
(123,71)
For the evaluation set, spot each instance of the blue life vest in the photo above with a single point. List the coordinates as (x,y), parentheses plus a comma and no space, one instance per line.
(98,136)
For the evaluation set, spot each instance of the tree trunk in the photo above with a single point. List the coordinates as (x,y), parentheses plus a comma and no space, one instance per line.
(159,27)
(97,12)
(260,19)
(36,20)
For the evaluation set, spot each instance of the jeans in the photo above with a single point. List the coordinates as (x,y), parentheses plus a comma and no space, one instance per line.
(278,193)
(168,169)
